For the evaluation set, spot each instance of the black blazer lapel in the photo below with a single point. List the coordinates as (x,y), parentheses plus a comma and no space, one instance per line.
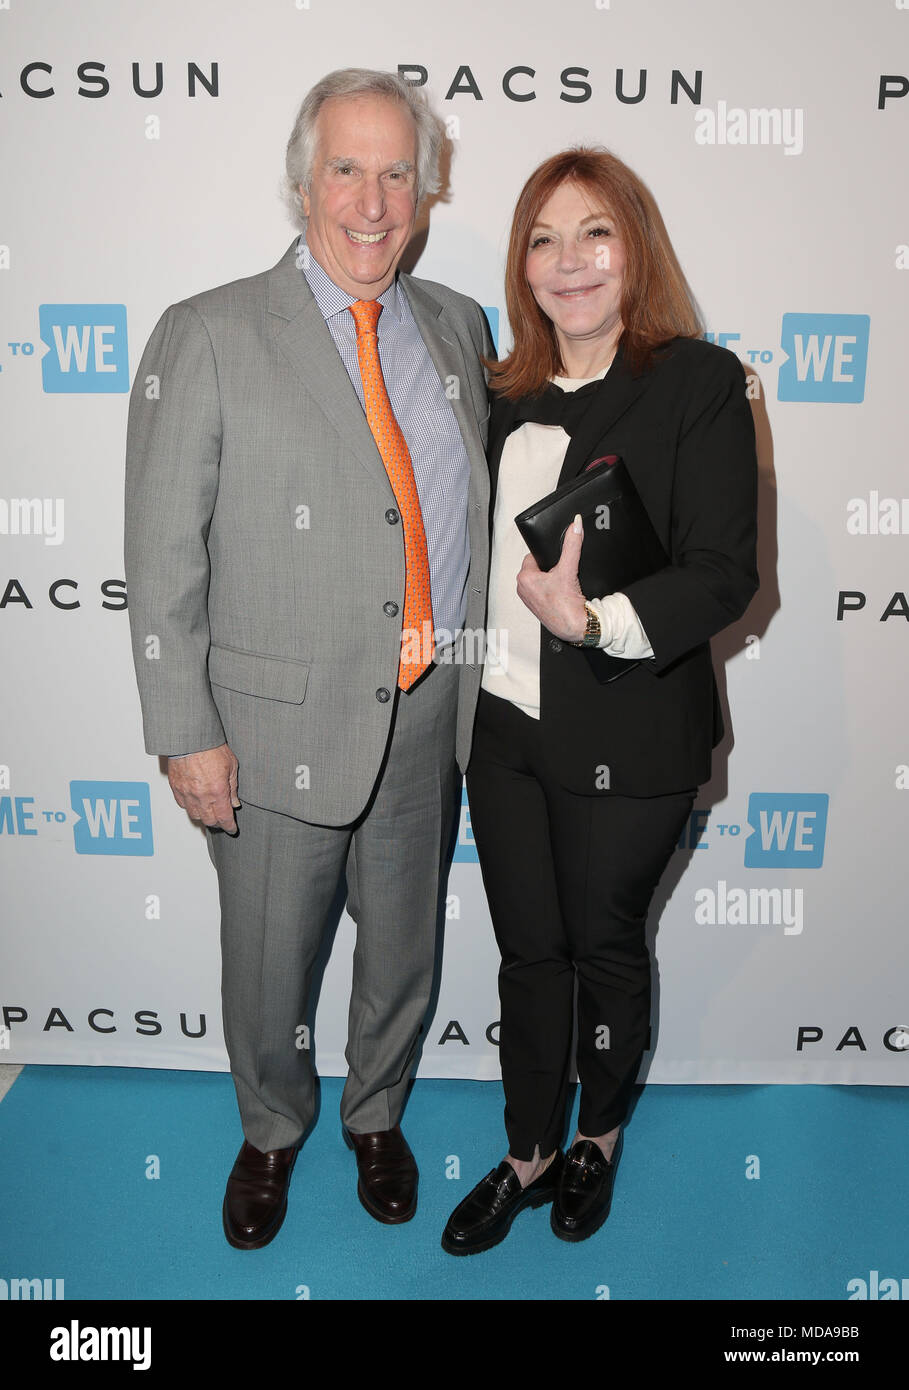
(619,390)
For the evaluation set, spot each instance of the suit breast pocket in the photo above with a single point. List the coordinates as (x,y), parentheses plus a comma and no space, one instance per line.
(252,673)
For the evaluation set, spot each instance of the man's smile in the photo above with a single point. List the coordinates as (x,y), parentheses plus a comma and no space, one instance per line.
(366,238)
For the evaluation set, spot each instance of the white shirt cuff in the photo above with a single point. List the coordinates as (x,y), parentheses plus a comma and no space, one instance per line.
(622,633)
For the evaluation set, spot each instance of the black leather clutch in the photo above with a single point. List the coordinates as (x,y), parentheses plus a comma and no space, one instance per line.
(620,544)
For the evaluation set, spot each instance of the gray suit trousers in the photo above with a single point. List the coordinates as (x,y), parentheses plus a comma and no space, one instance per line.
(277,880)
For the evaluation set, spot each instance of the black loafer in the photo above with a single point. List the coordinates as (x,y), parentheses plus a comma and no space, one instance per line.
(584,1194)
(486,1213)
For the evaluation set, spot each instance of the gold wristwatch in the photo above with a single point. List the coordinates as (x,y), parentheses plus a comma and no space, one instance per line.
(593,632)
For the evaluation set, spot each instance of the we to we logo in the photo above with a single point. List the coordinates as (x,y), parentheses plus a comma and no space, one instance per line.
(87,347)
(110,817)
(827,357)
(788,830)
(113,817)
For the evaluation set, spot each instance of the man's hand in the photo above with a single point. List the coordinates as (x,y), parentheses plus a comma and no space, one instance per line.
(205,785)
(554,596)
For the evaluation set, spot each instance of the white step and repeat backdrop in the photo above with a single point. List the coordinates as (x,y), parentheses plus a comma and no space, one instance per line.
(142,152)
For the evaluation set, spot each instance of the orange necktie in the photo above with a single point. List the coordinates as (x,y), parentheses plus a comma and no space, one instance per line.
(416,637)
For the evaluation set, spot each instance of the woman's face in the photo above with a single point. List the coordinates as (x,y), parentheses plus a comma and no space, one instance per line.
(575,265)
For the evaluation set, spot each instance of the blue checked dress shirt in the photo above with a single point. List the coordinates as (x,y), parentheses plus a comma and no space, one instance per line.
(427,421)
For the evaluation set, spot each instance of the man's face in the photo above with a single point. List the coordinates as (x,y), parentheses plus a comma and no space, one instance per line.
(361,203)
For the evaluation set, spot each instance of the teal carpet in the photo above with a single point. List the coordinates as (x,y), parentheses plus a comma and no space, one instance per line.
(112,1181)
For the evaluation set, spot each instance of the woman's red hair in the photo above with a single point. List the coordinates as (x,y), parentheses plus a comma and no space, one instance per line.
(656,303)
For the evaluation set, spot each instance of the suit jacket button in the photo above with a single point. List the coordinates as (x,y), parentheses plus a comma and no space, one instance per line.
(392,517)
(390,608)
(555,645)
(383,695)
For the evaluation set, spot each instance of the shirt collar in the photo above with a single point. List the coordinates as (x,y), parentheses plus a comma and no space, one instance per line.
(332,300)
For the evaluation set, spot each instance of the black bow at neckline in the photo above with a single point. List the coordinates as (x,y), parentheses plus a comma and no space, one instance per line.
(557,407)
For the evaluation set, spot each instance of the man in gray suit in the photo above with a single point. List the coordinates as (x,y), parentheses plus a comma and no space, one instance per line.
(305,536)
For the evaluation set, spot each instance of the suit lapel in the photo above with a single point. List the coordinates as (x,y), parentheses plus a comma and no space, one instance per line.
(445,350)
(304,338)
(302,335)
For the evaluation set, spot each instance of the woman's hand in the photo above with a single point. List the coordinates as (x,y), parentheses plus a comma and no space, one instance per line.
(554,596)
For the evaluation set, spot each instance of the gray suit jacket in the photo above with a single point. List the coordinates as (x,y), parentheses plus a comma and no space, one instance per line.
(258,550)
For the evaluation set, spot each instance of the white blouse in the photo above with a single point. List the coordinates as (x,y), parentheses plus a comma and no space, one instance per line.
(529,469)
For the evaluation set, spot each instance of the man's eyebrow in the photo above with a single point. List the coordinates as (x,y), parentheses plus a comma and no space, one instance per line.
(400,166)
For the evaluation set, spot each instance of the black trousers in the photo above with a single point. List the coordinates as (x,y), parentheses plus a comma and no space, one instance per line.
(569,880)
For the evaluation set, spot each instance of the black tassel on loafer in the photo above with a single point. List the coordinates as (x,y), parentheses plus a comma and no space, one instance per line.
(584,1193)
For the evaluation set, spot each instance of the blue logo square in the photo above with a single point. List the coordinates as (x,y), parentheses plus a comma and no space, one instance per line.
(465,849)
(788,830)
(492,316)
(87,349)
(113,817)
(827,357)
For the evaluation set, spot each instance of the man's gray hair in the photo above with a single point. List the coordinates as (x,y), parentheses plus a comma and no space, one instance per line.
(354,82)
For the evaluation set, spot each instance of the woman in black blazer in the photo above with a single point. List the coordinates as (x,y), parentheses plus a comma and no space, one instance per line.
(580,782)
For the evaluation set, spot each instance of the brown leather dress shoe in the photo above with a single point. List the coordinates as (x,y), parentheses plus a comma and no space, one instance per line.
(255,1202)
(388,1174)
